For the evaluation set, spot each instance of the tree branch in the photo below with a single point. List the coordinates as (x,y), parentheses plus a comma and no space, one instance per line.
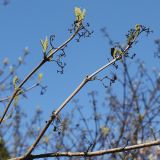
(80,86)
(43,61)
(55,113)
(94,153)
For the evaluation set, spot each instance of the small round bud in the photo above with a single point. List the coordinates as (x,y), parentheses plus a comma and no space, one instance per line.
(5,61)
(26,51)
(11,69)
(20,60)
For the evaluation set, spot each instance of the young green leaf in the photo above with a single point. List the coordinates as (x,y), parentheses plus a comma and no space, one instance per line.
(115,52)
(20,91)
(15,80)
(16,98)
(44,45)
(79,14)
(50,53)
(134,34)
(40,76)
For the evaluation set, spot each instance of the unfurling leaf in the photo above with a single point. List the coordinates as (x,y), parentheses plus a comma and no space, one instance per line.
(50,53)
(79,14)
(105,131)
(44,45)
(115,52)
(20,91)
(16,98)
(40,76)
(15,80)
(16,101)
(134,34)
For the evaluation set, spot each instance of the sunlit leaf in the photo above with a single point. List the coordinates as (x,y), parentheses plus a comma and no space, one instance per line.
(79,13)
(44,44)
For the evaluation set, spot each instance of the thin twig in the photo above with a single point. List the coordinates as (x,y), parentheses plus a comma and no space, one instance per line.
(24,91)
(94,153)
(35,69)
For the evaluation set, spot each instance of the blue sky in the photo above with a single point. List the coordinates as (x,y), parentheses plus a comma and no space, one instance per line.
(24,22)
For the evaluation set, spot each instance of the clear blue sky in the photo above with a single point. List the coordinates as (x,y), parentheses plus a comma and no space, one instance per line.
(24,22)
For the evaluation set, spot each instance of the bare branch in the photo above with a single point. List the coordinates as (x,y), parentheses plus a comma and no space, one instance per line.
(91,154)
